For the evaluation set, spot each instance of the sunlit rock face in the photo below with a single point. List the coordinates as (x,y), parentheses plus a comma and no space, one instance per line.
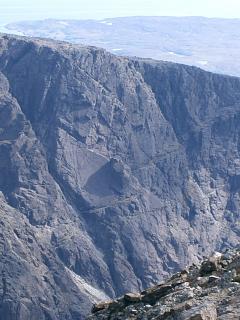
(114,173)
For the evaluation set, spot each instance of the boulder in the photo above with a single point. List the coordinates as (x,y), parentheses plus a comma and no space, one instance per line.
(157,292)
(132,297)
(205,312)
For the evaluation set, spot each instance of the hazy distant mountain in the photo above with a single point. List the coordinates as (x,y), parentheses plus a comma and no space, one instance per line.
(212,44)
(114,172)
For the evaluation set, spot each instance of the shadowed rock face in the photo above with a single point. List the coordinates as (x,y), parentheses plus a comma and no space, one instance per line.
(113,173)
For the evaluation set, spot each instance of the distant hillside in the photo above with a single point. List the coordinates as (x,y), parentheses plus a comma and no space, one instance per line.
(212,44)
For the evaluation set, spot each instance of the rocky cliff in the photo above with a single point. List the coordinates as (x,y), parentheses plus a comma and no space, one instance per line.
(114,173)
(209,291)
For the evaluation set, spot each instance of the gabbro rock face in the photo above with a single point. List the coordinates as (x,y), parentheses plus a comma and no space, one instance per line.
(113,173)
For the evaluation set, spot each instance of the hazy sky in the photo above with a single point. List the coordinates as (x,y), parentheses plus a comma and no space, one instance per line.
(11,10)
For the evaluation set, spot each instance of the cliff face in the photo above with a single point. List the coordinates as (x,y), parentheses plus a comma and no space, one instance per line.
(114,173)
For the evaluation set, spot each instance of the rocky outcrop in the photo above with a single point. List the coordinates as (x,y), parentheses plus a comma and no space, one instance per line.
(114,173)
(196,293)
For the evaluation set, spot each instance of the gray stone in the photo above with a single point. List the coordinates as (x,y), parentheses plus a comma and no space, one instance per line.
(114,172)
(213,279)
(217,299)
(132,297)
(205,312)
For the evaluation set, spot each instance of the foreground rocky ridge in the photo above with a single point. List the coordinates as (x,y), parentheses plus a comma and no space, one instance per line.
(114,173)
(209,291)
